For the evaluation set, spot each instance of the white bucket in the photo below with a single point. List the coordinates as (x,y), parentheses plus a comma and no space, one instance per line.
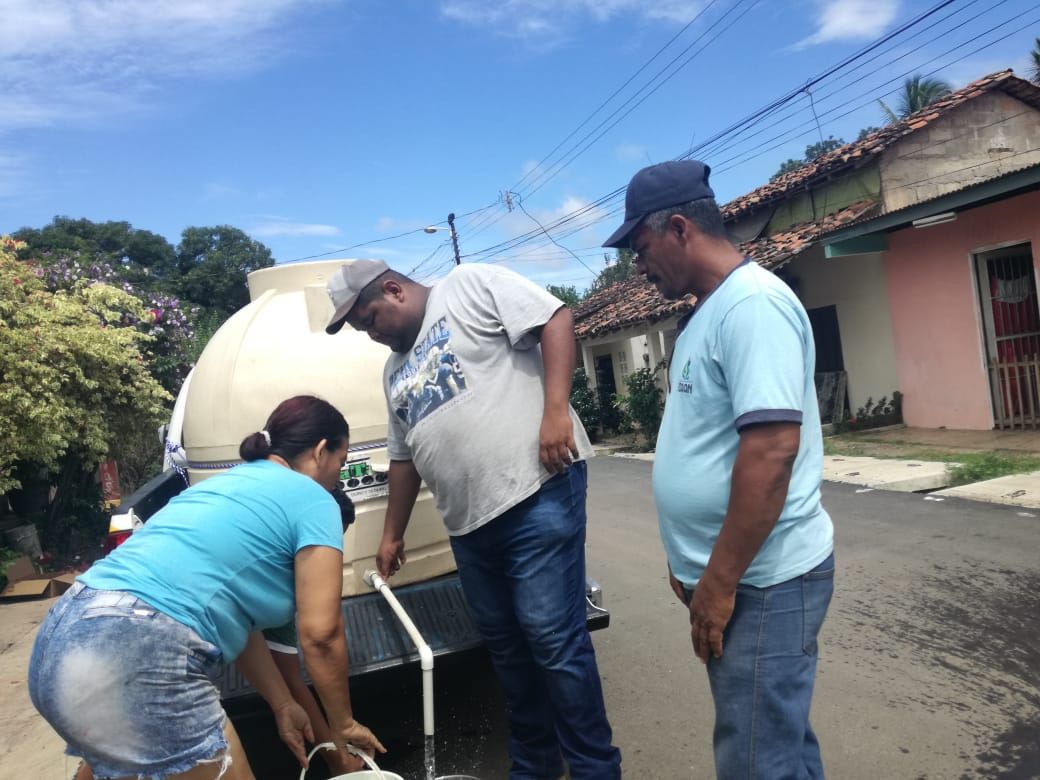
(373,773)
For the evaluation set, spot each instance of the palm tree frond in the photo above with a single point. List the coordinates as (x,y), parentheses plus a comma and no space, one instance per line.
(1034,63)
(890,115)
(919,92)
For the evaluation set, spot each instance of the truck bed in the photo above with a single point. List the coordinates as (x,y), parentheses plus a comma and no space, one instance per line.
(377,640)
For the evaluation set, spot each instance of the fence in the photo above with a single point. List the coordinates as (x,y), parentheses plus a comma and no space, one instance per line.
(1016,392)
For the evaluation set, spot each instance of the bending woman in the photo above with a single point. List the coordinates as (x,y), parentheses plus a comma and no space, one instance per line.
(124,663)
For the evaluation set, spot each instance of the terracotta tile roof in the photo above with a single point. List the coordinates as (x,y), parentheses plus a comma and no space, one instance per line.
(624,304)
(635,301)
(861,152)
(776,250)
(872,214)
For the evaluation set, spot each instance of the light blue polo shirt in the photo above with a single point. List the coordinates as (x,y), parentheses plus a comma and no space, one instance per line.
(219,557)
(745,356)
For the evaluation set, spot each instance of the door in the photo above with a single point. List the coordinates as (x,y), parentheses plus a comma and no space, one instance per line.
(827,337)
(830,364)
(606,388)
(1011,323)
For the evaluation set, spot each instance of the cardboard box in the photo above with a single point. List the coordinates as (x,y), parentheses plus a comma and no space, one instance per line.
(24,583)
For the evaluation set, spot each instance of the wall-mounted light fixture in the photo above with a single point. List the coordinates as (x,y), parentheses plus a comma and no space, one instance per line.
(935,219)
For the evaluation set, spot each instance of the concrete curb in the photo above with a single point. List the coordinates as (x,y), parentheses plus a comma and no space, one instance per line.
(907,476)
(904,476)
(1014,490)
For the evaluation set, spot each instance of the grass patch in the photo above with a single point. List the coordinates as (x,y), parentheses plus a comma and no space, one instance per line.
(979,466)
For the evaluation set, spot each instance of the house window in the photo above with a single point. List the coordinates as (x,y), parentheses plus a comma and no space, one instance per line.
(622,361)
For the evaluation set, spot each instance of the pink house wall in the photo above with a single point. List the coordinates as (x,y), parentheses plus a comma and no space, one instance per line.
(933,297)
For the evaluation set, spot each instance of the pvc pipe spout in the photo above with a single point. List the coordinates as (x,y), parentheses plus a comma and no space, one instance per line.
(373,579)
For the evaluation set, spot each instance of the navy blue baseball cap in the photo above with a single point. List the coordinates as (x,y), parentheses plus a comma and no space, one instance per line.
(657,187)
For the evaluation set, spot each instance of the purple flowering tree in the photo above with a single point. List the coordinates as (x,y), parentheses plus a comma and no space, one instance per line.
(171,325)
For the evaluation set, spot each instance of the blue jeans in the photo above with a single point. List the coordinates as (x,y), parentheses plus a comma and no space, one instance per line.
(523,574)
(763,684)
(129,689)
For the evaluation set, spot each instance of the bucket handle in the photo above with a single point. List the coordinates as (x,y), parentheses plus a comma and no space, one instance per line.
(351,749)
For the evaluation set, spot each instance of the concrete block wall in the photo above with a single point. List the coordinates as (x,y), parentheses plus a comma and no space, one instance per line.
(986,137)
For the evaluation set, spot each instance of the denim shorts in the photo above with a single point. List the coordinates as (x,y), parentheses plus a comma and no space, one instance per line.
(128,688)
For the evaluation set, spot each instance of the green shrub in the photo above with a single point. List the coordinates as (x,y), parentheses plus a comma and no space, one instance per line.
(585,403)
(643,402)
(875,415)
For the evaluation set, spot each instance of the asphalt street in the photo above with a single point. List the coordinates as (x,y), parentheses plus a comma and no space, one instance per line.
(930,656)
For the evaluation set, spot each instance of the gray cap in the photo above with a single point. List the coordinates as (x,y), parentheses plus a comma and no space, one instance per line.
(346,285)
(657,187)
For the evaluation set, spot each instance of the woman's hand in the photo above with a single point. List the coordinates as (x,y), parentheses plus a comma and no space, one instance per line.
(294,727)
(353,733)
(340,762)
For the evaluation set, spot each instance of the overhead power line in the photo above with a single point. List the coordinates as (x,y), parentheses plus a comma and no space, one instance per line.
(478,225)
(386,238)
(577,215)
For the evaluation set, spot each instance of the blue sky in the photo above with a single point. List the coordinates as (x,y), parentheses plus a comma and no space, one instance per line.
(315,125)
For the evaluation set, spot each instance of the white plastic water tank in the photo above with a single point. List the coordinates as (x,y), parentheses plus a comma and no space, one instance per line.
(276,347)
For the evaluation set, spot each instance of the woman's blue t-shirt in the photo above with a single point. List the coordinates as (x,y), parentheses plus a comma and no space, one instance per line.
(219,557)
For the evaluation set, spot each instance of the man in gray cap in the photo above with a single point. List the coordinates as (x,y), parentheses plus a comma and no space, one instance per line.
(737,474)
(481,414)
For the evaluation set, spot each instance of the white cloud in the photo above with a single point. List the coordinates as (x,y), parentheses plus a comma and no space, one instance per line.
(850,20)
(631,152)
(69,60)
(215,190)
(540,256)
(398,225)
(547,21)
(281,227)
(13,174)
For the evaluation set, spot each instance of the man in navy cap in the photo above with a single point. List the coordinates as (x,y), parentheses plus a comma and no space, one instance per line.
(737,474)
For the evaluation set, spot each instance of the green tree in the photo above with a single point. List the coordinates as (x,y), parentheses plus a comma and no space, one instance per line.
(616,269)
(787,166)
(918,92)
(569,294)
(74,384)
(212,264)
(143,258)
(866,131)
(829,144)
(1034,63)
(812,151)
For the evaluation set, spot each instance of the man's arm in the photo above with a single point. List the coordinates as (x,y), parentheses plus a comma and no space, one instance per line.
(404,489)
(556,437)
(761,476)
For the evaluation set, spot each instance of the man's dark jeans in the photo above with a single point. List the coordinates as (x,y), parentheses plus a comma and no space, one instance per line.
(523,574)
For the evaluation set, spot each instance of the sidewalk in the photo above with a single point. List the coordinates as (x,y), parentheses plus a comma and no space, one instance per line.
(912,475)
(944,439)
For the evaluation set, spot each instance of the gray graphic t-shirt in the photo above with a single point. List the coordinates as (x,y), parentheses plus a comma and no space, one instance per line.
(466,400)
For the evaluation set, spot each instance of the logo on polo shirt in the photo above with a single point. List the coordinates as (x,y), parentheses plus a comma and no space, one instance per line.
(685,386)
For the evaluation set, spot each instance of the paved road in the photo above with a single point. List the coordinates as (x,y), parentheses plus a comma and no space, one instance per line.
(930,655)
(930,665)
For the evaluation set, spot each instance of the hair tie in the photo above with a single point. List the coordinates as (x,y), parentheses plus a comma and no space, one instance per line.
(267,437)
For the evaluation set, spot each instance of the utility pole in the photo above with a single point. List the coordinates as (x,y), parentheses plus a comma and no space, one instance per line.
(454,237)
